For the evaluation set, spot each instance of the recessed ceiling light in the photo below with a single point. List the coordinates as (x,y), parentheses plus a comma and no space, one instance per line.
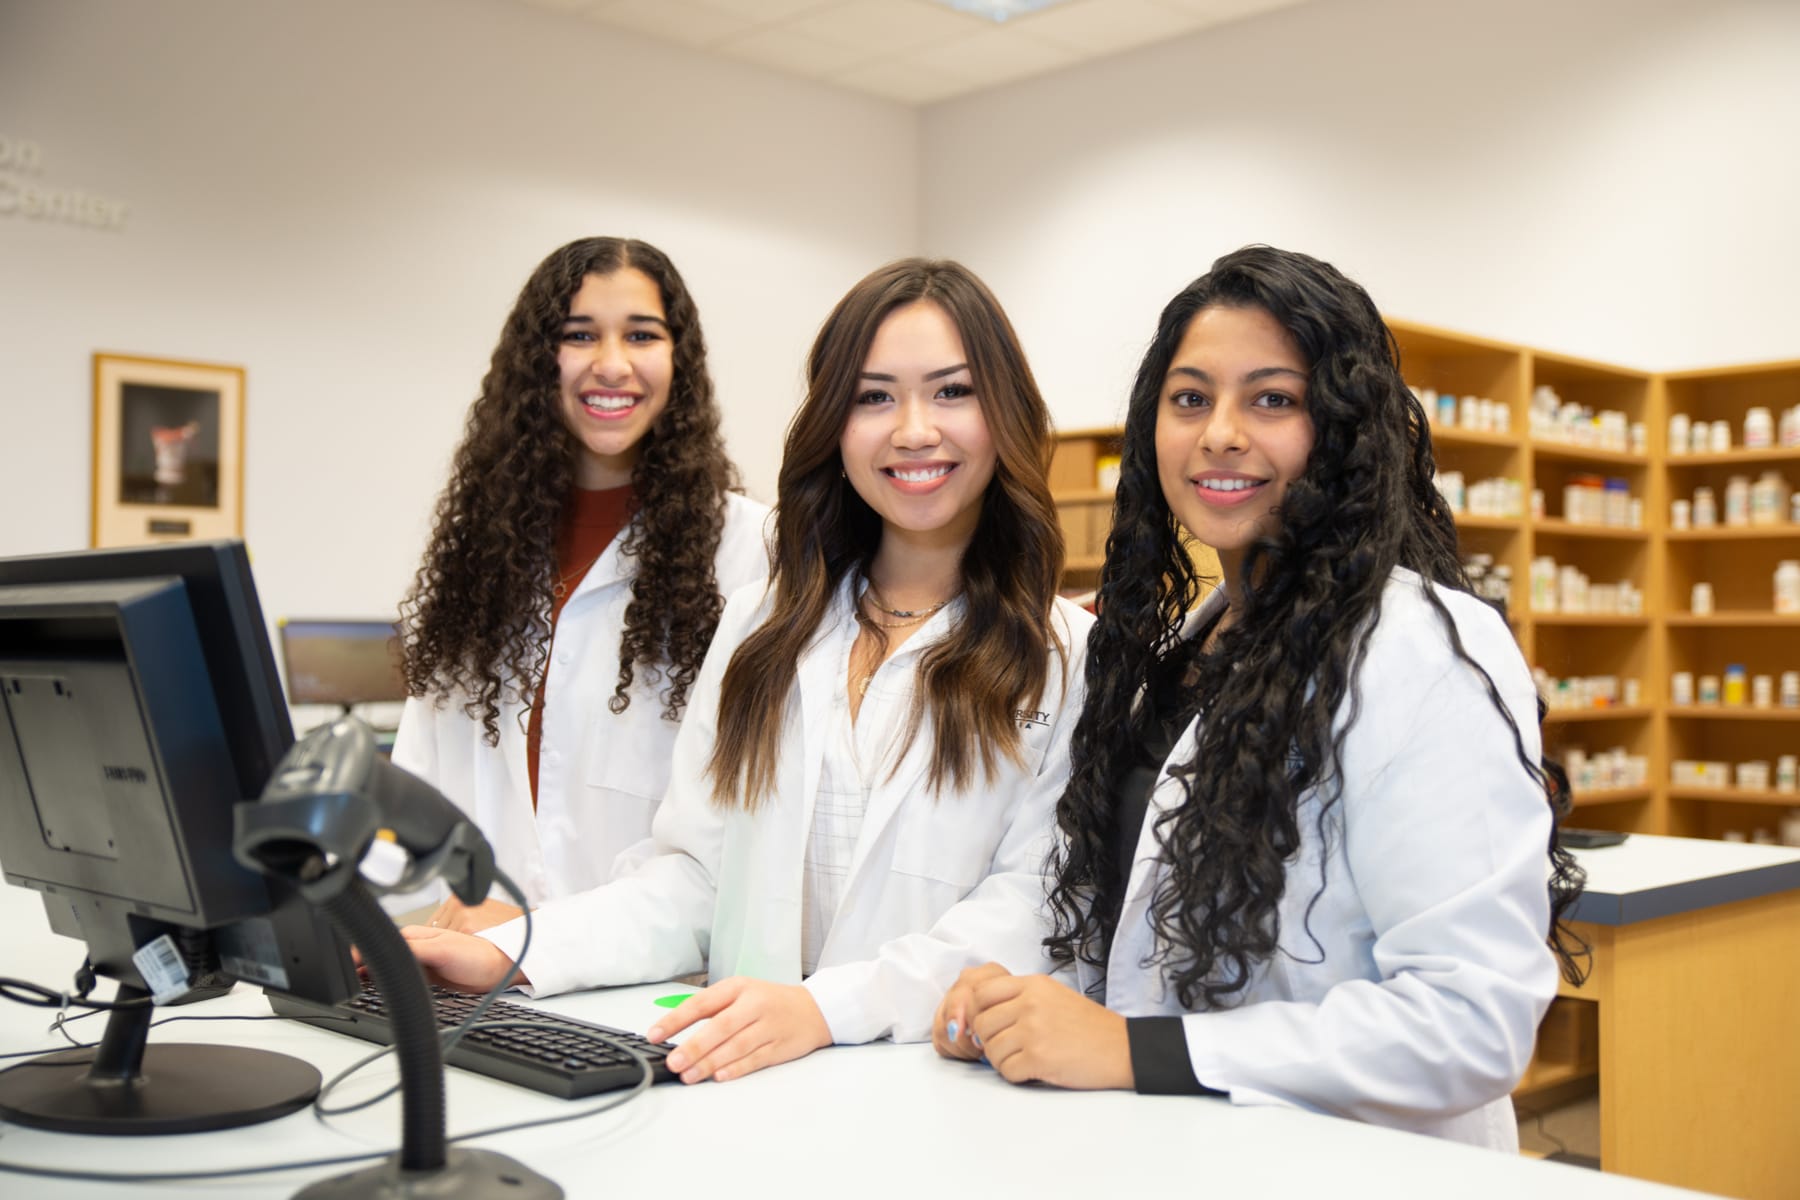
(999,10)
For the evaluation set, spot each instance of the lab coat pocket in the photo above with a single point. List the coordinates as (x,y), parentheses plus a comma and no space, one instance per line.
(624,777)
(946,842)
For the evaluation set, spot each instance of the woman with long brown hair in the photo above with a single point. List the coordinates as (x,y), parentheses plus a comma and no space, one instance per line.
(863,794)
(581,554)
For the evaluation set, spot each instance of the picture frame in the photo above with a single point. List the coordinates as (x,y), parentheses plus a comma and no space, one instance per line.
(168,450)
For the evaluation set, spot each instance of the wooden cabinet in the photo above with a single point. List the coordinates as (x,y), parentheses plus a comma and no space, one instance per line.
(1738,563)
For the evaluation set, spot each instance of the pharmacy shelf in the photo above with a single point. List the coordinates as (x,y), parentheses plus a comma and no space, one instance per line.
(1087,496)
(1736,796)
(1734,620)
(1503,524)
(1734,533)
(1612,712)
(1559,528)
(1713,712)
(1576,453)
(1451,436)
(1591,797)
(1735,458)
(1607,620)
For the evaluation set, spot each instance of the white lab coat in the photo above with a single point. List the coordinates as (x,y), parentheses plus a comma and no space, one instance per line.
(937,884)
(1417,1005)
(600,773)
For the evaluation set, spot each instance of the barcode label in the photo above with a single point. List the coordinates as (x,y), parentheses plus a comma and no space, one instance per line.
(165,974)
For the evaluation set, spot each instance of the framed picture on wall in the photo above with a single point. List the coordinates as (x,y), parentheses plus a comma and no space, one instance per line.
(168,450)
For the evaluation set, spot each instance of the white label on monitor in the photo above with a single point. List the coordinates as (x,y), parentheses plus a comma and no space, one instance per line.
(248,951)
(165,974)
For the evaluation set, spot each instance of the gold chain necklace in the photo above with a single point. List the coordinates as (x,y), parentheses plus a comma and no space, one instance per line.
(560,588)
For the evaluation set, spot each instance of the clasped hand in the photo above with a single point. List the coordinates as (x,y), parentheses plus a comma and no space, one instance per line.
(1031,1027)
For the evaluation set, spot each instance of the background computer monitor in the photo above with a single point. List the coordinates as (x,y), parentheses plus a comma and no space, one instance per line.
(341,662)
(138,705)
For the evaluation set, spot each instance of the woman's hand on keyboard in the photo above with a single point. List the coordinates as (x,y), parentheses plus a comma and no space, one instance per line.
(753,1024)
(453,914)
(458,960)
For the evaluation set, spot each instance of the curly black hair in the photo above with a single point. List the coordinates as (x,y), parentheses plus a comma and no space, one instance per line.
(477,618)
(1364,505)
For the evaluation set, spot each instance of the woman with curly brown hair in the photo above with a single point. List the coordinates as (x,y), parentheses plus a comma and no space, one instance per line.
(576,572)
(861,805)
(1308,854)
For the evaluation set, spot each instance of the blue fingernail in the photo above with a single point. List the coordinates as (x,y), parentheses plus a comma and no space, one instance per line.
(950,1030)
(976,1038)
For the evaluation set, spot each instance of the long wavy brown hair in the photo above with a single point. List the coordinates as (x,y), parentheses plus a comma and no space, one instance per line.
(993,664)
(477,618)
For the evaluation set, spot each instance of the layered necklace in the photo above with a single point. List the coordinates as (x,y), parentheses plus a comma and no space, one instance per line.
(903,618)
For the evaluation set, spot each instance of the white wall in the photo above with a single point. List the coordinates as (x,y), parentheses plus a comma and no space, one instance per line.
(345,197)
(1616,179)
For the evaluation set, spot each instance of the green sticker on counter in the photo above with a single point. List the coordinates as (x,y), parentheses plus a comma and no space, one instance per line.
(671,1001)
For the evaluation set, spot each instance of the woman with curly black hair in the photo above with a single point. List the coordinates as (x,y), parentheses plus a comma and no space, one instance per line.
(576,572)
(1308,849)
(863,793)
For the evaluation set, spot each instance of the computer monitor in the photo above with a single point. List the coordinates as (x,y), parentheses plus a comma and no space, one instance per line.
(341,662)
(138,705)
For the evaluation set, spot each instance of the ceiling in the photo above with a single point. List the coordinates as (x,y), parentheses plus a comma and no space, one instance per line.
(913,51)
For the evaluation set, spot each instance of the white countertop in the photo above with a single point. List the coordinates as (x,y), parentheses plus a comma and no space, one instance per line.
(1646,876)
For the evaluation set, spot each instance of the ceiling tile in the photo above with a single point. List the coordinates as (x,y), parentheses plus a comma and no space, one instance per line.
(680,21)
(766,12)
(905,83)
(887,26)
(1095,27)
(992,57)
(784,49)
(1218,11)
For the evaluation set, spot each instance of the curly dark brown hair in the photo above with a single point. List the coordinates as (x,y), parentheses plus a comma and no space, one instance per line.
(477,618)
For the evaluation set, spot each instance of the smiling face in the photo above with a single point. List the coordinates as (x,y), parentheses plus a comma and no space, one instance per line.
(916,445)
(616,360)
(1232,428)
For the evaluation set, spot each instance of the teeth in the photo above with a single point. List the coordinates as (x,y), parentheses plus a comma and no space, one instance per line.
(609,403)
(1227,485)
(923,475)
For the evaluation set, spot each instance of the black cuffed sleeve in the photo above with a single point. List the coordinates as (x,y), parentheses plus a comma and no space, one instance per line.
(1159,1058)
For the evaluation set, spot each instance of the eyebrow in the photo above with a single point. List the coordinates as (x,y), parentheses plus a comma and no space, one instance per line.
(937,374)
(650,318)
(1260,373)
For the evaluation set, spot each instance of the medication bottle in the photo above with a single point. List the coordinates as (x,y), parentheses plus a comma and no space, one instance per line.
(1768,499)
(1787,773)
(1790,689)
(1737,501)
(1681,688)
(1762,691)
(1759,429)
(1721,436)
(1735,693)
(1446,410)
(1787,586)
(1678,434)
(1709,689)
(1706,509)
(1700,440)
(1681,514)
(1700,602)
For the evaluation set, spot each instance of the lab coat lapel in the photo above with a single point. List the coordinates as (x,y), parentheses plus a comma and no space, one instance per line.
(910,778)
(1128,988)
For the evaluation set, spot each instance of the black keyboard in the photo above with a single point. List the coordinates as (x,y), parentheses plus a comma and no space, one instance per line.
(560,1058)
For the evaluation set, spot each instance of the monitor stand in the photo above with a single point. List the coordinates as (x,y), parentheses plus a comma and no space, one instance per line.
(123,1086)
